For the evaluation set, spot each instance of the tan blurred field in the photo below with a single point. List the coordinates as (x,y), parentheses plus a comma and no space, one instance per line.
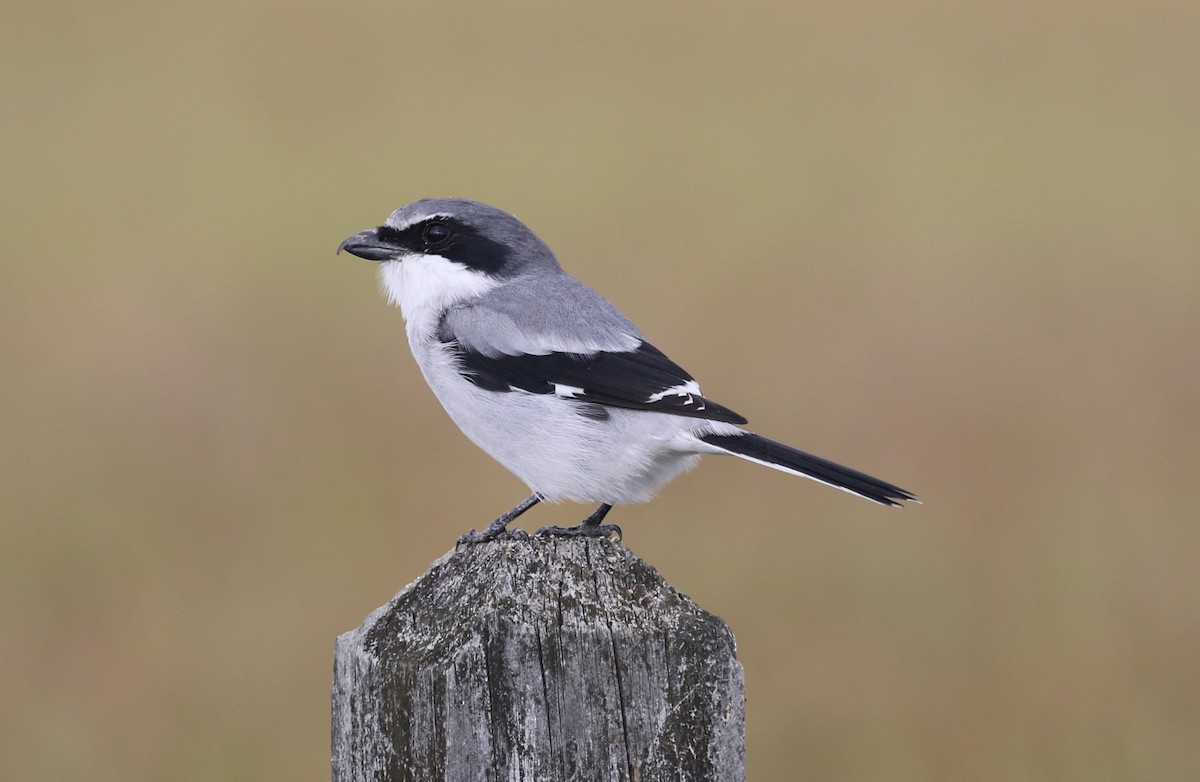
(954,245)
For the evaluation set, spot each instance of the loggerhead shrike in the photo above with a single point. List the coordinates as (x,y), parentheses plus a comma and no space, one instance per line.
(547,377)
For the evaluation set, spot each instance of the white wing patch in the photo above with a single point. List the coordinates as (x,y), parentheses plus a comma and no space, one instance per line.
(689,389)
(566,391)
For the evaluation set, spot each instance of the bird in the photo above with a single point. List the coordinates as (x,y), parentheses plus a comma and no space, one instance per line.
(548,378)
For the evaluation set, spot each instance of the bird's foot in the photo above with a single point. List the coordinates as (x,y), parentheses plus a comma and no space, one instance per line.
(581,531)
(499,527)
(490,534)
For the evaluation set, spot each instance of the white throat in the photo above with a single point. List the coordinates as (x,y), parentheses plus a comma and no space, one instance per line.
(425,286)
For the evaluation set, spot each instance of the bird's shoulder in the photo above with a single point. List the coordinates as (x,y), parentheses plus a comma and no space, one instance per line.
(540,314)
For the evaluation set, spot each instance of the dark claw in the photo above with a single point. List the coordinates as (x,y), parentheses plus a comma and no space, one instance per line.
(486,535)
(581,531)
(474,537)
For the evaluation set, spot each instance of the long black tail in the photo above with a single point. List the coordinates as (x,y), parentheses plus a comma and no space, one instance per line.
(757,448)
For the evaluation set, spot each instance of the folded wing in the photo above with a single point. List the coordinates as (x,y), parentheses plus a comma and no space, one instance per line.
(640,379)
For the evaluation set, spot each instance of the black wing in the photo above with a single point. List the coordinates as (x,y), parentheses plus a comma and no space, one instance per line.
(639,379)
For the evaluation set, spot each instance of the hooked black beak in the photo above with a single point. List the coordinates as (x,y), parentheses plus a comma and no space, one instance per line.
(368,244)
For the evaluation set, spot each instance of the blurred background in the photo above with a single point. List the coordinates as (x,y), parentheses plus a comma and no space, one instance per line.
(954,246)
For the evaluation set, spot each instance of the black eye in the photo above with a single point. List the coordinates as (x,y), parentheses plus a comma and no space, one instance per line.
(435,233)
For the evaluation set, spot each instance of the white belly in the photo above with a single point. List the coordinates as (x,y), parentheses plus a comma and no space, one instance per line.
(555,450)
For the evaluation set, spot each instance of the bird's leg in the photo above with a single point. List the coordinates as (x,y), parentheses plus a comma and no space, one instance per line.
(498,527)
(588,528)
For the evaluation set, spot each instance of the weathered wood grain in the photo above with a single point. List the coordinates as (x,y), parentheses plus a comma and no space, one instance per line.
(539,660)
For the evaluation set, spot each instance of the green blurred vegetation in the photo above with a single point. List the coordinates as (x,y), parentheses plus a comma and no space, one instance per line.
(962,240)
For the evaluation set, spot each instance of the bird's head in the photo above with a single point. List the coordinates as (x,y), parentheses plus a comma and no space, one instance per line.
(438,252)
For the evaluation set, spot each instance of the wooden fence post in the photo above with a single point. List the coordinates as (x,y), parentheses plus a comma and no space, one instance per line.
(540,660)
